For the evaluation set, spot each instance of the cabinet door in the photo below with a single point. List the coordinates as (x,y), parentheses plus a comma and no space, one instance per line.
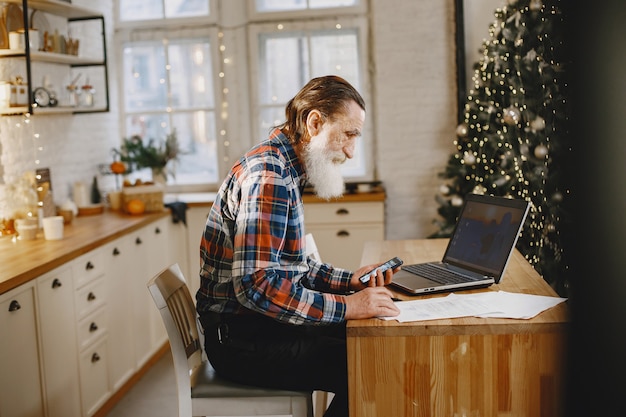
(93,374)
(119,306)
(161,253)
(150,253)
(138,276)
(58,339)
(20,379)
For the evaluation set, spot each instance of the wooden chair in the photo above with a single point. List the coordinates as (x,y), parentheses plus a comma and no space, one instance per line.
(201,392)
(321,397)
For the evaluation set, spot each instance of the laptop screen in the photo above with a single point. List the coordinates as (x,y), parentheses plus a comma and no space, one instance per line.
(486,233)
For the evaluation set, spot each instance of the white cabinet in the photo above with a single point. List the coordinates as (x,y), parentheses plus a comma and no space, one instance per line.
(20,378)
(57,324)
(118,259)
(91,321)
(341,228)
(150,251)
(75,335)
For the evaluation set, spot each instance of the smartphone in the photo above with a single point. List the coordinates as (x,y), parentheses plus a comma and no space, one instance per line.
(390,264)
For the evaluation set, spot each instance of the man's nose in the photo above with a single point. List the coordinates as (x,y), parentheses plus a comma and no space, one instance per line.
(348,149)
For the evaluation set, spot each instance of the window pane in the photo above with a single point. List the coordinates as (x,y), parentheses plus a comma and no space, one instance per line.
(132,10)
(270,117)
(197,137)
(140,9)
(191,76)
(186,8)
(145,76)
(321,4)
(148,126)
(286,68)
(336,54)
(290,5)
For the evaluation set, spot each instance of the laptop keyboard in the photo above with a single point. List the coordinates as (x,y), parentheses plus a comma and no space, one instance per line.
(442,276)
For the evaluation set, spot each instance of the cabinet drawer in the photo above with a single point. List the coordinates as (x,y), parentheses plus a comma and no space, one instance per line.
(87,268)
(92,327)
(90,297)
(342,246)
(341,213)
(93,377)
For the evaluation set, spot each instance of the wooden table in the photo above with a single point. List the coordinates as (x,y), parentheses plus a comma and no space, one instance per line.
(458,367)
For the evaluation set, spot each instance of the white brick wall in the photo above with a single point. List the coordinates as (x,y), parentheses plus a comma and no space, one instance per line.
(415,107)
(414,112)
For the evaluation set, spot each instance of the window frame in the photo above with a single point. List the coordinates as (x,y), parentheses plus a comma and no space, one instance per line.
(177,22)
(308,25)
(171,31)
(256,16)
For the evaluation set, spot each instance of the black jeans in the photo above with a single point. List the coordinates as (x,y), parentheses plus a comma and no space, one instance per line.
(257,350)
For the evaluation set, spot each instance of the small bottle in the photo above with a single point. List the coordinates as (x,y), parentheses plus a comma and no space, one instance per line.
(73,95)
(86,98)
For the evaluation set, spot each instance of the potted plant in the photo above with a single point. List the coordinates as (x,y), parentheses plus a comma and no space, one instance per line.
(137,155)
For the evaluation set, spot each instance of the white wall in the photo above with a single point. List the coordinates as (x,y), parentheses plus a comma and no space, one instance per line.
(414,109)
(71,146)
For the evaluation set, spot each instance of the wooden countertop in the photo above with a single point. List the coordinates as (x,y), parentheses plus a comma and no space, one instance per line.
(375,195)
(520,277)
(206,199)
(22,261)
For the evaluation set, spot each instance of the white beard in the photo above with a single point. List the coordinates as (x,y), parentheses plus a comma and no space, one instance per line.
(323,168)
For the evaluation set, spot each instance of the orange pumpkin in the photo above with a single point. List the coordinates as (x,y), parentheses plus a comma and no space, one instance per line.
(118,167)
(135,206)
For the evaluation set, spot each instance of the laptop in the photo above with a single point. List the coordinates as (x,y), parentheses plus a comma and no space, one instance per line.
(478,251)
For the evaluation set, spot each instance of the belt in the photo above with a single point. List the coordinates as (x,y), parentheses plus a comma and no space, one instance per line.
(220,326)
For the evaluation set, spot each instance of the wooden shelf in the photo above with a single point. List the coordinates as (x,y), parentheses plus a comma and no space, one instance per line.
(51,57)
(57,7)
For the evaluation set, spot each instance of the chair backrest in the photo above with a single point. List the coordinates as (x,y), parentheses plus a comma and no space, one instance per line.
(171,296)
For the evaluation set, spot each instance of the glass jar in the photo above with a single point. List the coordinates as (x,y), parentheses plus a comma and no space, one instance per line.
(73,93)
(86,97)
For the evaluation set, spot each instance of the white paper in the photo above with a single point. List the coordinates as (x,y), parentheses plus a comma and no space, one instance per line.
(497,304)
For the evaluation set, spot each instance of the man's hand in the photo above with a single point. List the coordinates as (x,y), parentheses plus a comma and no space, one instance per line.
(370,302)
(378,279)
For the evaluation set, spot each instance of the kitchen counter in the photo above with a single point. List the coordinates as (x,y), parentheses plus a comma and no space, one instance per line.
(22,261)
(206,199)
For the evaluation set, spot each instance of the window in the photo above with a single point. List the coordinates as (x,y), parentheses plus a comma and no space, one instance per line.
(222,82)
(168,84)
(291,53)
(134,10)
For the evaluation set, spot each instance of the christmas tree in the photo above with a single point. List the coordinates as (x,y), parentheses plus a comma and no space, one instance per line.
(514,139)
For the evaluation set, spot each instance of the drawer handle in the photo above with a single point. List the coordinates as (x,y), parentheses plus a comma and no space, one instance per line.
(138,241)
(91,296)
(157,231)
(56,283)
(14,306)
(93,327)
(342,212)
(116,251)
(343,233)
(89,266)
(95,357)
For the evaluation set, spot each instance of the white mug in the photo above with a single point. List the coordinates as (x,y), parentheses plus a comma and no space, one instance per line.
(16,39)
(53,227)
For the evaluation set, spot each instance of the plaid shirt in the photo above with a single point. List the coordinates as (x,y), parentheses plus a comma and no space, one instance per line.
(253,247)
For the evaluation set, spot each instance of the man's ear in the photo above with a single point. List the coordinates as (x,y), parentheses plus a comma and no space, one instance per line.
(314,122)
